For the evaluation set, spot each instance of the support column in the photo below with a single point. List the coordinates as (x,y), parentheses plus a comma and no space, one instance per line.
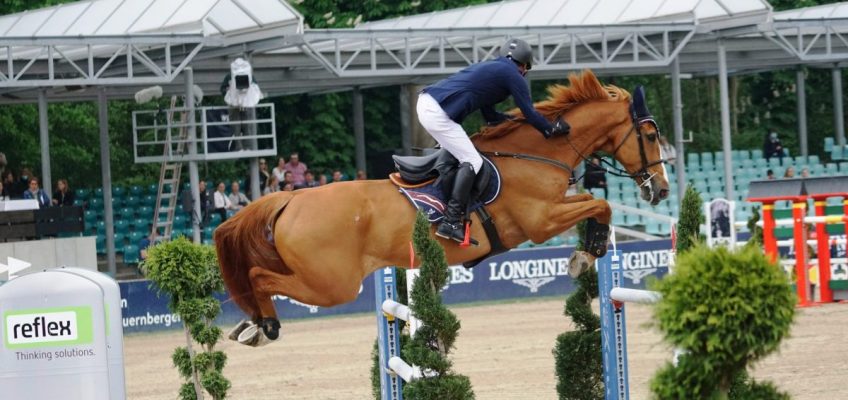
(193,175)
(405,121)
(677,112)
(725,121)
(106,170)
(838,116)
(800,92)
(359,129)
(46,183)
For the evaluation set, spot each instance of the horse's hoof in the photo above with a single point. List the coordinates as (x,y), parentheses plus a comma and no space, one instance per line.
(271,328)
(579,263)
(253,336)
(238,329)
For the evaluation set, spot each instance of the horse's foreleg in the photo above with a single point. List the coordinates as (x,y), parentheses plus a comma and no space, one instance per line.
(565,215)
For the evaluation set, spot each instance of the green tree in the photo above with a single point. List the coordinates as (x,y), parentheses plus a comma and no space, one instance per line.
(189,273)
(691,218)
(429,347)
(727,309)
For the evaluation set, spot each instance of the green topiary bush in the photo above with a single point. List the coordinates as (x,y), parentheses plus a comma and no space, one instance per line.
(189,273)
(727,309)
(691,218)
(433,341)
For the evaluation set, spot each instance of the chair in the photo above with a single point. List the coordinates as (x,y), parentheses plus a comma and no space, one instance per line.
(831,169)
(131,255)
(136,191)
(118,191)
(706,157)
(828,144)
(756,153)
(100,244)
(140,224)
(694,157)
(149,200)
(81,194)
(132,201)
(145,212)
(153,189)
(135,236)
(122,226)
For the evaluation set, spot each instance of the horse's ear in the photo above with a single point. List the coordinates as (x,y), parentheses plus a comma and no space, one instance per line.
(640,106)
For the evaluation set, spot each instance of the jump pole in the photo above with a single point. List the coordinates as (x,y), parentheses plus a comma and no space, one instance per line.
(388,333)
(614,324)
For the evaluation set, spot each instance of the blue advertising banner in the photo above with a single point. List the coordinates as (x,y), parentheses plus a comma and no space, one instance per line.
(520,273)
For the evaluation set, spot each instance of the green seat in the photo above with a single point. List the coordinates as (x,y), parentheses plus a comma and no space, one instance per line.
(122,226)
(756,153)
(136,191)
(127,213)
(132,201)
(81,194)
(90,217)
(119,191)
(140,224)
(100,244)
(153,189)
(149,200)
(828,144)
(135,237)
(131,255)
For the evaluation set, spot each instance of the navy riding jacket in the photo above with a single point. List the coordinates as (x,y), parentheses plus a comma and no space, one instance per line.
(483,85)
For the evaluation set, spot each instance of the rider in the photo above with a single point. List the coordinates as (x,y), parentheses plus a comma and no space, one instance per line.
(443,106)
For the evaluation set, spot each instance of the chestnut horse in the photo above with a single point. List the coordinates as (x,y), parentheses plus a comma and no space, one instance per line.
(317,245)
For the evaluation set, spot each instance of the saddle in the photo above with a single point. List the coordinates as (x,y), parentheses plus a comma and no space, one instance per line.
(426,182)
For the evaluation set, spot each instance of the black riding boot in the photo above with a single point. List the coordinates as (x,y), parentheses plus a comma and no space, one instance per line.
(452,226)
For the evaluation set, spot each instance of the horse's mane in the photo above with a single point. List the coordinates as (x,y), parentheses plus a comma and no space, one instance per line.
(582,88)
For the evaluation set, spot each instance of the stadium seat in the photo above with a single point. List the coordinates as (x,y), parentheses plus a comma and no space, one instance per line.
(132,201)
(706,157)
(149,200)
(135,237)
(145,212)
(131,255)
(136,191)
(756,153)
(122,226)
(118,191)
(81,194)
(831,169)
(153,189)
(828,144)
(100,244)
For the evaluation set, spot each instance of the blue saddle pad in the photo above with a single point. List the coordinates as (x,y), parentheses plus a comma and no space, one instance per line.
(431,198)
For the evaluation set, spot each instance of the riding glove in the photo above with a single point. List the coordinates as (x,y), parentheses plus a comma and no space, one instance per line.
(560,127)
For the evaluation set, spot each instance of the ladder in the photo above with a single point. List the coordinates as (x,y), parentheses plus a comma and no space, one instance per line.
(169,179)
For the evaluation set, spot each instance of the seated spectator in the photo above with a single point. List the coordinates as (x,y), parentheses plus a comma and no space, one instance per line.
(22,184)
(263,174)
(272,186)
(145,243)
(337,176)
(220,202)
(288,179)
(805,172)
(280,169)
(204,202)
(8,185)
(297,168)
(36,193)
(63,196)
(4,194)
(308,181)
(790,172)
(772,147)
(322,179)
(770,175)
(360,175)
(595,177)
(237,198)
(288,187)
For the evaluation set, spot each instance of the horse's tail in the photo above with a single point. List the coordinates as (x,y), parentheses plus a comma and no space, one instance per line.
(246,241)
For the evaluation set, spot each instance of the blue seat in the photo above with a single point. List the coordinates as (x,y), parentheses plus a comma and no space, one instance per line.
(756,153)
(81,194)
(122,226)
(136,191)
(118,191)
(149,200)
(135,237)
(145,212)
(131,255)
(828,144)
(132,201)
(100,244)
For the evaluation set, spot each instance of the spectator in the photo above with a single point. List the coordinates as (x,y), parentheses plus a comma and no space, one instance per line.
(322,179)
(770,175)
(280,170)
(263,174)
(4,194)
(9,185)
(297,168)
(204,202)
(805,172)
(63,196)
(237,198)
(288,187)
(22,184)
(337,176)
(790,172)
(308,182)
(669,153)
(595,177)
(272,186)
(36,193)
(360,175)
(220,202)
(288,178)
(772,147)
(145,243)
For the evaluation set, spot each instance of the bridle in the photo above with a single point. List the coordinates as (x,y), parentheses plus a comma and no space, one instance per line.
(612,169)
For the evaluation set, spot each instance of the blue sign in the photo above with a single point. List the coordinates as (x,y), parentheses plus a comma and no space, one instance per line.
(520,273)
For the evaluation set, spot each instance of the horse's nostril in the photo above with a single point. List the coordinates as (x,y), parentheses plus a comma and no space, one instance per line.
(663,193)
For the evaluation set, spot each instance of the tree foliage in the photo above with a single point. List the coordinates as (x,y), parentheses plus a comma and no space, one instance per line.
(432,342)
(727,309)
(691,218)
(189,274)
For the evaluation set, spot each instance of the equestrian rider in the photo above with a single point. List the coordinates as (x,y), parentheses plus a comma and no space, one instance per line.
(444,105)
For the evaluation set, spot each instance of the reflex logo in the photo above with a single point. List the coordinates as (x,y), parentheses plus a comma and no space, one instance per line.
(47,327)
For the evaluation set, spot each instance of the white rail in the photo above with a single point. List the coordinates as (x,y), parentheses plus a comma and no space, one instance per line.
(634,295)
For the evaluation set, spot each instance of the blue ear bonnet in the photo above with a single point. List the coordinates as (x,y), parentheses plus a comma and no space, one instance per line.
(639,107)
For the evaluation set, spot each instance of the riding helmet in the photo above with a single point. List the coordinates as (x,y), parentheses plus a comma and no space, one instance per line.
(518,50)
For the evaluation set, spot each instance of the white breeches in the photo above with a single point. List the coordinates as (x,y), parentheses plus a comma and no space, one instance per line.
(448,133)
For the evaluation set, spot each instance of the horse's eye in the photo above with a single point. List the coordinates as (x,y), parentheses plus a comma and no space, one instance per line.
(652,137)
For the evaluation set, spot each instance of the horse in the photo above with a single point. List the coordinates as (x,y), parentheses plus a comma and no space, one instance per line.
(316,245)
